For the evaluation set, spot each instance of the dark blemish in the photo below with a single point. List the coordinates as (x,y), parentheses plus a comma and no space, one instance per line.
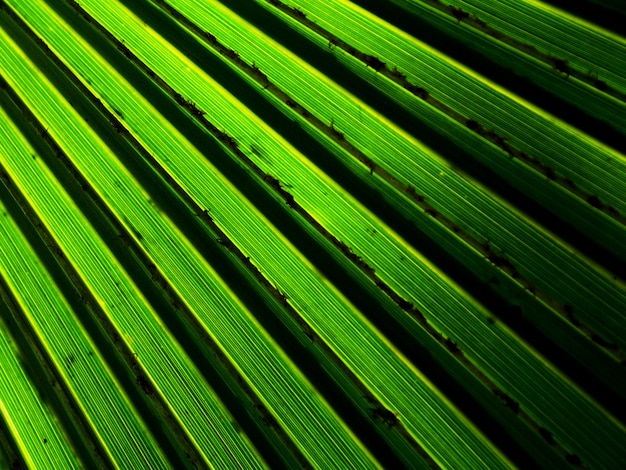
(397,73)
(459,14)
(571,317)
(268,419)
(117,126)
(84,298)
(573,459)
(261,75)
(387,417)
(508,401)
(124,239)
(601,85)
(452,346)
(480,22)
(602,342)
(339,135)
(307,330)
(154,273)
(595,202)
(197,112)
(374,63)
(144,384)
(45,441)
(124,50)
(497,260)
(473,125)
(228,140)
(613,211)
(232,54)
(289,200)
(283,298)
(179,99)
(501,141)
(300,14)
(560,65)
(177,305)
(546,435)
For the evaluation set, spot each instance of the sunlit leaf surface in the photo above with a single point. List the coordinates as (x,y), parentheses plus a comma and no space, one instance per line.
(313,233)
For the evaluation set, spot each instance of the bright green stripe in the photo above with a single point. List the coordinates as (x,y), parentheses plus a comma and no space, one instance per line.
(426,290)
(568,279)
(28,419)
(568,207)
(302,413)
(90,381)
(157,351)
(592,166)
(535,23)
(305,86)
(203,178)
(429,289)
(429,417)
